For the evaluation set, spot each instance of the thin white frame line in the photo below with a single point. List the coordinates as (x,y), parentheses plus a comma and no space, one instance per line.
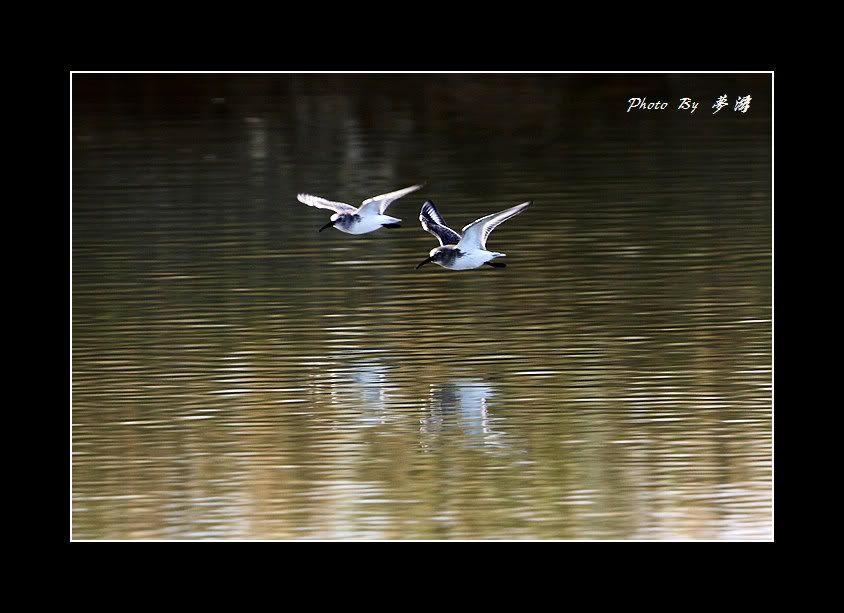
(70,290)
(773,266)
(773,263)
(676,72)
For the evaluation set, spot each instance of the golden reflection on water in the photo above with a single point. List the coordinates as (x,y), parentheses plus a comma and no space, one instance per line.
(237,375)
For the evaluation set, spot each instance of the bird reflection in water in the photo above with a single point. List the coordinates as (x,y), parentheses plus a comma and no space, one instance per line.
(460,406)
(361,388)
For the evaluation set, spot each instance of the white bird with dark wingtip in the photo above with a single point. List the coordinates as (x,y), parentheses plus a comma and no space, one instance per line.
(469,251)
(368,217)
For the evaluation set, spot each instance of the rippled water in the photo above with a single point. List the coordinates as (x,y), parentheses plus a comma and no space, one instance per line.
(237,375)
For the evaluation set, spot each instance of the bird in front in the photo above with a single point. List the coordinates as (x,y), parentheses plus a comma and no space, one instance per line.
(468,251)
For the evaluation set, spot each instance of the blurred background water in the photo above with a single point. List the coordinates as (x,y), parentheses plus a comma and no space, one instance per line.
(237,375)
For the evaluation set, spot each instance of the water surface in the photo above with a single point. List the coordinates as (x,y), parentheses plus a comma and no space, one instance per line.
(237,375)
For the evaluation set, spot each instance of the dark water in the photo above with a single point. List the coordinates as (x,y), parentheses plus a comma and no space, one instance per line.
(237,375)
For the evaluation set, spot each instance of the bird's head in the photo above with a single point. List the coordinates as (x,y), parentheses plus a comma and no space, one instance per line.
(436,255)
(334,218)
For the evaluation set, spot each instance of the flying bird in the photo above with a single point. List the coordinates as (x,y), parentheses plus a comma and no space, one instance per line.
(368,217)
(468,251)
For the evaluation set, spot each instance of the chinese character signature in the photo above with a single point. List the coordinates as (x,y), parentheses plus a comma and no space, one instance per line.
(742,103)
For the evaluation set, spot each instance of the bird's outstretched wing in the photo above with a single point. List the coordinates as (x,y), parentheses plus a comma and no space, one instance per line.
(379,204)
(433,222)
(476,233)
(322,203)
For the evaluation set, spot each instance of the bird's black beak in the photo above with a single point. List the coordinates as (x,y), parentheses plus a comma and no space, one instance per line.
(423,262)
(328,225)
